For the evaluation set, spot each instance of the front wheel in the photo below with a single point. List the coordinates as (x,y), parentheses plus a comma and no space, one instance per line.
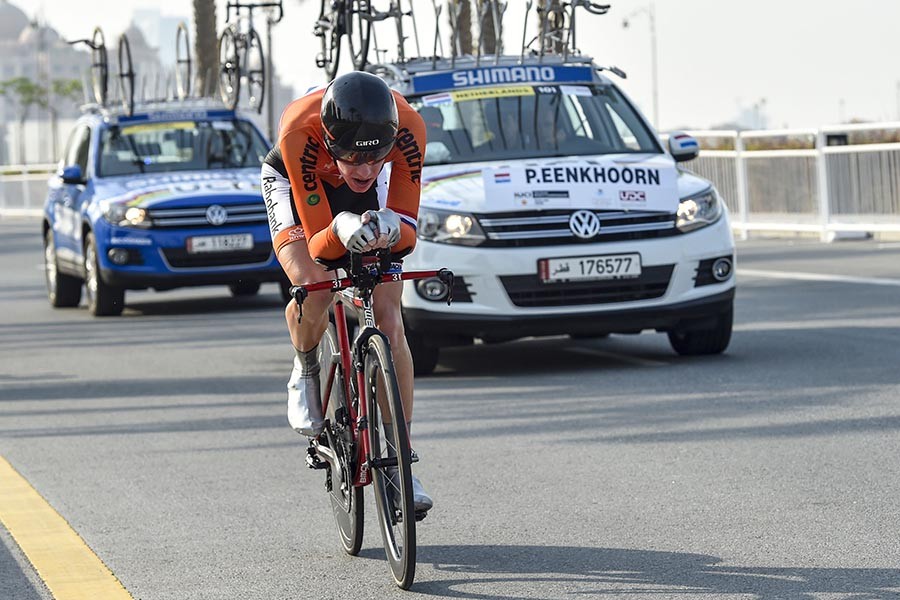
(103,300)
(229,69)
(255,70)
(713,339)
(346,499)
(391,461)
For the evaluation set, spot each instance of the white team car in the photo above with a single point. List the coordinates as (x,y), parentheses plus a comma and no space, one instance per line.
(552,200)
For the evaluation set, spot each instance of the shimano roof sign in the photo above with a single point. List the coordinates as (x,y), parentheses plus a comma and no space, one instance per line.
(177,115)
(449,80)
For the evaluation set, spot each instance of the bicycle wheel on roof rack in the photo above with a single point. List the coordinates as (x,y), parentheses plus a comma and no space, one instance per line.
(329,29)
(99,66)
(255,71)
(182,62)
(126,75)
(229,69)
(359,29)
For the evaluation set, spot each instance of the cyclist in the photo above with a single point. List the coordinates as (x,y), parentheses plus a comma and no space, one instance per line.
(326,191)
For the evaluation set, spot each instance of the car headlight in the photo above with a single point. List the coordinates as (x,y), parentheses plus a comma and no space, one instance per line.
(699,210)
(449,227)
(126,216)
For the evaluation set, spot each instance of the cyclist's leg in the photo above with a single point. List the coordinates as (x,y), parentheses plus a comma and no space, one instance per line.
(304,401)
(386,304)
(388,318)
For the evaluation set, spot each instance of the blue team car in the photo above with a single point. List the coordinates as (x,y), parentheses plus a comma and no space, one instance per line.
(166,198)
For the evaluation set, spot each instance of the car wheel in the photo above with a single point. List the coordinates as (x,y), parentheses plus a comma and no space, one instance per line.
(62,290)
(709,340)
(424,355)
(244,288)
(285,287)
(103,300)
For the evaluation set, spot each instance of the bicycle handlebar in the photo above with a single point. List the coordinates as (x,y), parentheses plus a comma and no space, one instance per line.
(365,275)
(237,6)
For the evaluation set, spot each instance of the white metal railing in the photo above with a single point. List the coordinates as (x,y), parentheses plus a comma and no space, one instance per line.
(23,188)
(822,188)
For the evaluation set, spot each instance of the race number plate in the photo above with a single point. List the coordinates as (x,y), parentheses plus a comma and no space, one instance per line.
(220,243)
(588,268)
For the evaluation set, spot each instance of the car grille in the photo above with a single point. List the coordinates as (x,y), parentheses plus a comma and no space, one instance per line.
(179,258)
(528,291)
(195,216)
(551,227)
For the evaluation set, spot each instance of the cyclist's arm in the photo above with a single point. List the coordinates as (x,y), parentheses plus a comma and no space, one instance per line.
(406,173)
(310,200)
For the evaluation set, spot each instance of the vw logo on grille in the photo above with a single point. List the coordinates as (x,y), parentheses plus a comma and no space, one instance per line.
(216,215)
(584,224)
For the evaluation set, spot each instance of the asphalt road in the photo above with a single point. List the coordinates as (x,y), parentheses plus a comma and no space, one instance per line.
(601,468)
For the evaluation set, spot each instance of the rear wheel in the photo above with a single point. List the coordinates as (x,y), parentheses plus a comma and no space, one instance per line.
(392,468)
(359,28)
(424,355)
(103,300)
(713,339)
(328,29)
(62,290)
(346,499)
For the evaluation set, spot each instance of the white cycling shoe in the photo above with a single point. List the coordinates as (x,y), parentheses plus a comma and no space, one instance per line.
(304,403)
(422,502)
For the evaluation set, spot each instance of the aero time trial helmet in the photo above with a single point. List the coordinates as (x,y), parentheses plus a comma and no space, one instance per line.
(359,118)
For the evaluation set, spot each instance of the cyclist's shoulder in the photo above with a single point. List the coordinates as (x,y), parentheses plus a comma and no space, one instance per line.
(302,114)
(407,116)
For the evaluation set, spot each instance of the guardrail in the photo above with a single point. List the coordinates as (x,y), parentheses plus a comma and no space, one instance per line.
(23,188)
(829,181)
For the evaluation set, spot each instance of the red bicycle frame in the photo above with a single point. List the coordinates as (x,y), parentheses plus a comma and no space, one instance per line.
(358,414)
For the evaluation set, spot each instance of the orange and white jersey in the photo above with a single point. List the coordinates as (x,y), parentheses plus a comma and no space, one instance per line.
(303,189)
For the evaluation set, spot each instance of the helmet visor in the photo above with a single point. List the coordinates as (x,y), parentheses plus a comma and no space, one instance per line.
(357,157)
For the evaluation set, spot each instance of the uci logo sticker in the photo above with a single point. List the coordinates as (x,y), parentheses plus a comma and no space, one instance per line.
(312,199)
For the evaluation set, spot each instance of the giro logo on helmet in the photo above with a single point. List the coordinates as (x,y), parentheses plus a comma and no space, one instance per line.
(366,143)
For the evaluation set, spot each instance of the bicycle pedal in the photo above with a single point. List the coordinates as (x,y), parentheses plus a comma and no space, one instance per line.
(420,515)
(313,461)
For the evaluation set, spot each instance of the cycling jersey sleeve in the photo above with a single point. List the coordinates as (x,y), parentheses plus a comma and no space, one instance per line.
(284,222)
(301,152)
(406,172)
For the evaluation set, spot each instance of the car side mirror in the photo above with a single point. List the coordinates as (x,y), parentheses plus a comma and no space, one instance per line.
(683,147)
(72,175)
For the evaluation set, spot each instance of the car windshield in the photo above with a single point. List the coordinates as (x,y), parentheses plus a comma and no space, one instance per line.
(179,146)
(531,121)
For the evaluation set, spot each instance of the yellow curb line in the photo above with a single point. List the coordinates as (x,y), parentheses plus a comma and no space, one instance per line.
(67,565)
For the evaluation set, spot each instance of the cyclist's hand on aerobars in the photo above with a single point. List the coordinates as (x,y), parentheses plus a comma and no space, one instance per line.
(356,235)
(387,225)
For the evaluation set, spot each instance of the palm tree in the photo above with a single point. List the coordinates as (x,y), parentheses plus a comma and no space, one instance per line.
(206,45)
(464,23)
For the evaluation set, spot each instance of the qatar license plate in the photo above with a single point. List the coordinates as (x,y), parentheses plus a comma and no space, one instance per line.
(588,268)
(220,243)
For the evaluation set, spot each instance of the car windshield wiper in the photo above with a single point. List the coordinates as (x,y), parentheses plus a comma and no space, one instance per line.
(138,160)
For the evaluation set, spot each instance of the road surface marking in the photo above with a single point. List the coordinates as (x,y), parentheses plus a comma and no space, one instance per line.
(69,568)
(819,277)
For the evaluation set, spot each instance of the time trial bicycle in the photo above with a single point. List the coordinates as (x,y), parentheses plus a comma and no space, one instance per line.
(365,439)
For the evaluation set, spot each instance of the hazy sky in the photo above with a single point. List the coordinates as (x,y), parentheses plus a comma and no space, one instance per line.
(807,62)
